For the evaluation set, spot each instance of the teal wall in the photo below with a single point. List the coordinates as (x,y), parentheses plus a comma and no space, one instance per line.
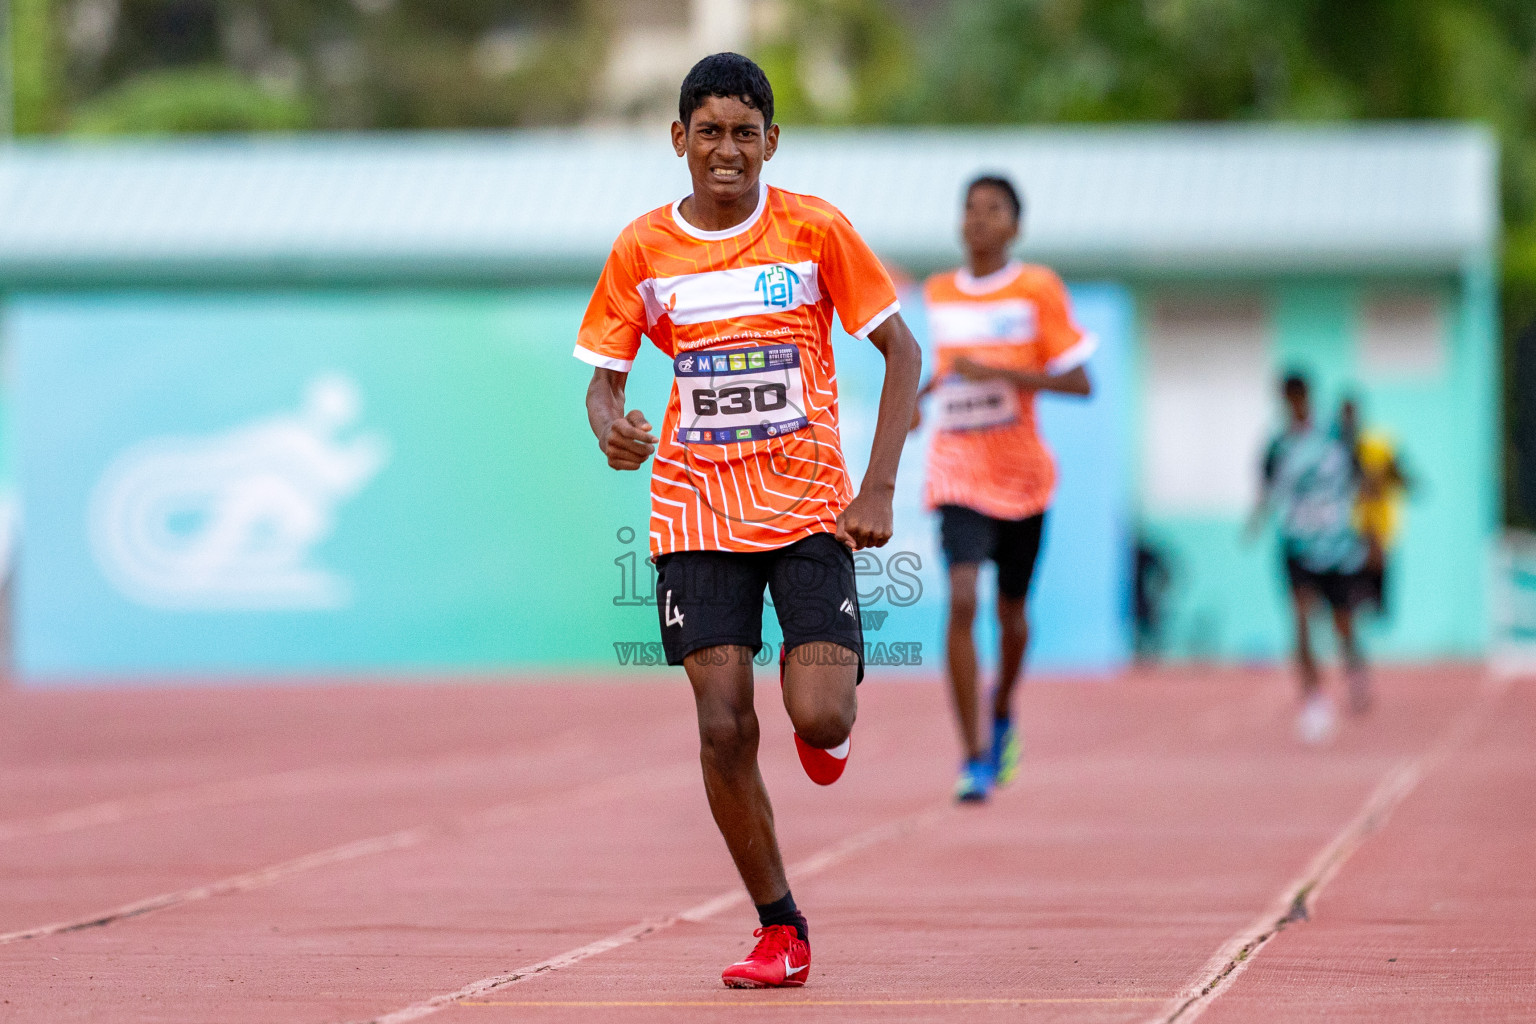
(490,535)
(250,483)
(489,532)
(1228,600)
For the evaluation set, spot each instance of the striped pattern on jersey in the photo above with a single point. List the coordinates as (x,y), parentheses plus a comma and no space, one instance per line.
(776,279)
(1019,318)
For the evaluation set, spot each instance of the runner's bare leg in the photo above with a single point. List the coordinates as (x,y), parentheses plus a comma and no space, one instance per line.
(728,734)
(1013,642)
(1306,664)
(960,650)
(821,692)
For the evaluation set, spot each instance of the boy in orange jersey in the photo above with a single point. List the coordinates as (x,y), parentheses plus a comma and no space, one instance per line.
(1002,331)
(737,283)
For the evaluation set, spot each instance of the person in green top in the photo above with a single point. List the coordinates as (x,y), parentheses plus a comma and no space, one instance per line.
(1311,483)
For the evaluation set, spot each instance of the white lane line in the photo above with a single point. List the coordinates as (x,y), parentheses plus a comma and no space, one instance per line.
(295,782)
(298,782)
(1295,900)
(640,781)
(814,864)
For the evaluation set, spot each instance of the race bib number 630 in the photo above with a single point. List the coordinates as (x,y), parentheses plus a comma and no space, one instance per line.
(748,394)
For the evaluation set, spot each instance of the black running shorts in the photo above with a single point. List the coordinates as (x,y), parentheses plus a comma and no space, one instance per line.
(1342,590)
(715,598)
(967,535)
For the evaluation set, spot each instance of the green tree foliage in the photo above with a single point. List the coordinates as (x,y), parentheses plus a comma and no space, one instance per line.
(201,99)
(35,73)
(1074,61)
(152,66)
(836,61)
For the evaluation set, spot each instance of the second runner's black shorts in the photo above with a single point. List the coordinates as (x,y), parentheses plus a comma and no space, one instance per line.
(967,535)
(715,598)
(1343,591)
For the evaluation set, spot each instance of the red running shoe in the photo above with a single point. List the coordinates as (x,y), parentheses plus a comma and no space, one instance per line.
(780,960)
(823,766)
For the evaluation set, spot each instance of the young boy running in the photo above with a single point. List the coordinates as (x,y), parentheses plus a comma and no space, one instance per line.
(737,283)
(1310,479)
(1002,331)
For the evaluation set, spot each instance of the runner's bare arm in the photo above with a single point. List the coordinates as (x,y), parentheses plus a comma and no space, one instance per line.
(917,408)
(1255,524)
(867,521)
(1073,382)
(1261,502)
(626,440)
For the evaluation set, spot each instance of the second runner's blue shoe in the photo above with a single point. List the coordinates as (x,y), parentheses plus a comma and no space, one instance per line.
(974,783)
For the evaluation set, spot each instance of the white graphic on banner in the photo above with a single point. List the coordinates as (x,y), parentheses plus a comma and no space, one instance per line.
(230,521)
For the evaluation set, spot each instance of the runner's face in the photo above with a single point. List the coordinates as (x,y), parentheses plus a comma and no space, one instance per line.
(989,225)
(726,144)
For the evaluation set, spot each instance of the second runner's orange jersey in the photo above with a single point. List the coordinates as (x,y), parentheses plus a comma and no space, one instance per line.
(987,453)
(750,456)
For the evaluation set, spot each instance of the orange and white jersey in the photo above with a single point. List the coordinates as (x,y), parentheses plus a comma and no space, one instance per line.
(750,456)
(987,453)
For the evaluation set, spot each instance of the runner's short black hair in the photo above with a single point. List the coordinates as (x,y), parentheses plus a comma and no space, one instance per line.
(1295,383)
(1003,185)
(726,74)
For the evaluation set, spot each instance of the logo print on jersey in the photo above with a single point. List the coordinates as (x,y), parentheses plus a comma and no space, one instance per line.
(777,284)
(1011,323)
(712,296)
(1000,321)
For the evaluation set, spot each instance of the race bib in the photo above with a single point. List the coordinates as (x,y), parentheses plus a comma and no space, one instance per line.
(976,404)
(746,394)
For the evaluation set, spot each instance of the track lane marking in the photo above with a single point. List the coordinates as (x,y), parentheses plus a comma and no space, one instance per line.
(815,863)
(642,780)
(792,1003)
(1293,902)
(293,782)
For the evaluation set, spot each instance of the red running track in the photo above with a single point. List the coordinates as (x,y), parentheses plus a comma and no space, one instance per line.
(543,852)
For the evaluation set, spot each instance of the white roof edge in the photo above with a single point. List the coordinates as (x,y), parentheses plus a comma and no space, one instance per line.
(488,205)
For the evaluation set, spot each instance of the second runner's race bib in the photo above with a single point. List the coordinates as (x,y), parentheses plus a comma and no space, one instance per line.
(747,394)
(976,404)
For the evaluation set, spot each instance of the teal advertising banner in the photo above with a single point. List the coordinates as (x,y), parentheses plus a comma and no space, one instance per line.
(260,483)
